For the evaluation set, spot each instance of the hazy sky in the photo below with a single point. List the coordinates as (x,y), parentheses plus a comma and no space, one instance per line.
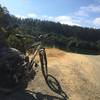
(85,13)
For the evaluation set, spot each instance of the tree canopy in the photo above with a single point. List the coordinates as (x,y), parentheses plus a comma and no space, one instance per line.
(70,38)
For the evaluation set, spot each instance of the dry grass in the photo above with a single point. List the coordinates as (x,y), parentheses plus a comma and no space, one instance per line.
(79,75)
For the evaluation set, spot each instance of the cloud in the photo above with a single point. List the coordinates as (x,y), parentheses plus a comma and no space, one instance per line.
(98,1)
(45,17)
(86,10)
(87,16)
(92,8)
(81,13)
(31,15)
(62,19)
(96,21)
(66,20)
(20,16)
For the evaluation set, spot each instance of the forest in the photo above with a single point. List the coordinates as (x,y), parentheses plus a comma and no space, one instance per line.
(69,38)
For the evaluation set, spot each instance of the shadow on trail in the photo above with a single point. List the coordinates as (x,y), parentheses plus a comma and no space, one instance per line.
(31,95)
(40,96)
(28,95)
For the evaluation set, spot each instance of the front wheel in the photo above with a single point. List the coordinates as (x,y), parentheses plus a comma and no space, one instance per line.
(43,61)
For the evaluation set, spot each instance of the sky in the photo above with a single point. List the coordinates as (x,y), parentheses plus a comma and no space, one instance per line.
(85,13)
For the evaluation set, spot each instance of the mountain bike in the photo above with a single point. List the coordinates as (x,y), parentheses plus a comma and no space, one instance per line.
(38,49)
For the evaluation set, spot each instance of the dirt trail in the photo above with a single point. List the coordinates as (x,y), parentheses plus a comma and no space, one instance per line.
(79,75)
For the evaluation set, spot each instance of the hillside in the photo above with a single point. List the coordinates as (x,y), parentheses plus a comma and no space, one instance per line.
(78,75)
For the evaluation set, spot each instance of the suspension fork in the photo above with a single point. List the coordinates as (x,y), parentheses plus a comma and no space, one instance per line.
(43,62)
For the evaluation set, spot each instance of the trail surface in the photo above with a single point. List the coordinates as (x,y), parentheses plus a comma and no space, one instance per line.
(78,74)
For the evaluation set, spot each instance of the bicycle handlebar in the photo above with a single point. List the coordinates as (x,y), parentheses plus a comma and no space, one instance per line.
(40,37)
